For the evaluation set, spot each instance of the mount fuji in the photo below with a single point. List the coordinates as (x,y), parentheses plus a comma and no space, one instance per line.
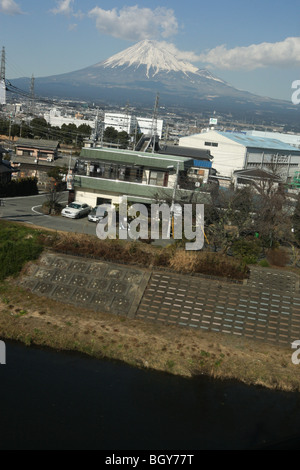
(138,73)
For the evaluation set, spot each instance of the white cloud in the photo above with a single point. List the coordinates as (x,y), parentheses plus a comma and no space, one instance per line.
(64,7)
(181,55)
(279,54)
(72,27)
(9,7)
(135,23)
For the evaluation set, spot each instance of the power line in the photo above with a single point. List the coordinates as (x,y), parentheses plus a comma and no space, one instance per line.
(13,89)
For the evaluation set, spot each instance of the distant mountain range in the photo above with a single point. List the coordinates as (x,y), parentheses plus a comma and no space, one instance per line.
(138,73)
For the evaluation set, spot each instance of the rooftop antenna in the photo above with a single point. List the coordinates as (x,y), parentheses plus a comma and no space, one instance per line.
(2,78)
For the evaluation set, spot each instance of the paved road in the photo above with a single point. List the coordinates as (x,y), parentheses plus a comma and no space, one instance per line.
(27,209)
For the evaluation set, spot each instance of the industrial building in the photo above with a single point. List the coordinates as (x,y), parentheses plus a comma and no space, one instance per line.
(132,124)
(291,139)
(55,118)
(233,151)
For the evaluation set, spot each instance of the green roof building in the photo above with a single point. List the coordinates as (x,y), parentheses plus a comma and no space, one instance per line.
(103,175)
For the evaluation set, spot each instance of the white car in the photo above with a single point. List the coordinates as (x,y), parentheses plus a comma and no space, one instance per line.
(97,214)
(75,210)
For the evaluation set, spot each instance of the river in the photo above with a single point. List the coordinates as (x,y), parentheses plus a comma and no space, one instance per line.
(66,401)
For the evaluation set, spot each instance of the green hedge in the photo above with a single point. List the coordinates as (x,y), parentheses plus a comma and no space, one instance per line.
(20,187)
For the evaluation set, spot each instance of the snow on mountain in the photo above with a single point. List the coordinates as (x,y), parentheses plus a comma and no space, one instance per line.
(138,73)
(154,55)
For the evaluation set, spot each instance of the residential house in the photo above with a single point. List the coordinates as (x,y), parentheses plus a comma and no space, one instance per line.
(103,175)
(39,149)
(5,169)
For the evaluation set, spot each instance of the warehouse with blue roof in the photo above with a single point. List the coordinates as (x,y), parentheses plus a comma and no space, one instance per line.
(233,151)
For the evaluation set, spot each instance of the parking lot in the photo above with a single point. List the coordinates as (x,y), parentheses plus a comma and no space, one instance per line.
(28,209)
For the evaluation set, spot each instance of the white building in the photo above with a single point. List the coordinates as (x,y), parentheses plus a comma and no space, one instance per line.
(120,122)
(130,124)
(55,118)
(233,151)
(144,126)
(2,92)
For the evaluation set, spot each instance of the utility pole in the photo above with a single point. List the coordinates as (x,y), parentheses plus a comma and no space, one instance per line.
(9,129)
(2,72)
(2,78)
(172,211)
(154,122)
(32,95)
(127,129)
(167,134)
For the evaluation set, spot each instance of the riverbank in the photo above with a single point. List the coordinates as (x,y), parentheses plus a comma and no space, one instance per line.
(35,320)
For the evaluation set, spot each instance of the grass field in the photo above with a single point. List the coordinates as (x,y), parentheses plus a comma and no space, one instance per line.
(18,245)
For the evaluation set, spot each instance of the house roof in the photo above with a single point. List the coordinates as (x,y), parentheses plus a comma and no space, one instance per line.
(256,173)
(258,142)
(190,152)
(37,143)
(145,159)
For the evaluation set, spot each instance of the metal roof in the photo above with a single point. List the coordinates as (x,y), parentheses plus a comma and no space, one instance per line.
(37,143)
(258,142)
(190,152)
(256,173)
(145,159)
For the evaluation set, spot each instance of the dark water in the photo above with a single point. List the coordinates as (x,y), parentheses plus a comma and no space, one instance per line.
(59,401)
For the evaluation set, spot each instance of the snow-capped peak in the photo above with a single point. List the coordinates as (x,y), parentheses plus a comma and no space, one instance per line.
(156,56)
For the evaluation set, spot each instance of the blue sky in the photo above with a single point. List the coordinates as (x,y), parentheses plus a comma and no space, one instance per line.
(255,46)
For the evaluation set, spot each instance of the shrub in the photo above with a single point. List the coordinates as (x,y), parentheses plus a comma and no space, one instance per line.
(277,257)
(49,208)
(264,263)
(212,264)
(247,250)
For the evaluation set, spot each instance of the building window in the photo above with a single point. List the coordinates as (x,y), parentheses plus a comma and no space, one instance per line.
(157,178)
(101,200)
(211,144)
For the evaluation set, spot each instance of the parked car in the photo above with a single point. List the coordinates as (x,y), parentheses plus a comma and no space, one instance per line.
(76,210)
(97,214)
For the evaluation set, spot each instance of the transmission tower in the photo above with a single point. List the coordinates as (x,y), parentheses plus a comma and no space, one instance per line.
(2,78)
